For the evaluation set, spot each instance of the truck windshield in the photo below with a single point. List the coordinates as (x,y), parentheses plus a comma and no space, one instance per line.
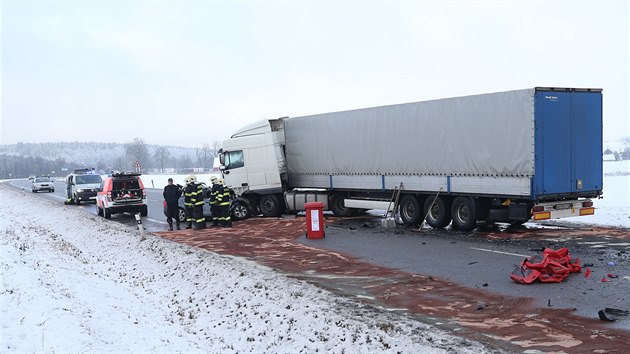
(234,159)
(85,179)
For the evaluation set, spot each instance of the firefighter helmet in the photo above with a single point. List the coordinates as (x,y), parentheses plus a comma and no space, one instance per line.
(213,179)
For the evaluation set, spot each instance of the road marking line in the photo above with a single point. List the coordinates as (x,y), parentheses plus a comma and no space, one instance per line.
(157,221)
(493,251)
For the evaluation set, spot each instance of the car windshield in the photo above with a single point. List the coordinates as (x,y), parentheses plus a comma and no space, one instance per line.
(85,179)
(42,179)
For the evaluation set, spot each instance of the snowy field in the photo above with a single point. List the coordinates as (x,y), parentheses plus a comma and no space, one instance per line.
(76,283)
(614,208)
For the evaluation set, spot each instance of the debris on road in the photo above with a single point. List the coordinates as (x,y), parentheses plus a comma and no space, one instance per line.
(611,314)
(549,267)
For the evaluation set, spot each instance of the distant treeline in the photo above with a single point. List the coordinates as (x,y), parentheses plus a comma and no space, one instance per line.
(24,159)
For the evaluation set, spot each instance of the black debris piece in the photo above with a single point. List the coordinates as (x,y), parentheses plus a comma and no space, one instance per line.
(616,312)
(604,317)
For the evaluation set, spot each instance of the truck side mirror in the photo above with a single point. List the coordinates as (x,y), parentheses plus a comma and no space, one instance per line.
(222,159)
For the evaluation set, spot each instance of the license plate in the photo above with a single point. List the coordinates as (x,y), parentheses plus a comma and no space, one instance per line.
(563,206)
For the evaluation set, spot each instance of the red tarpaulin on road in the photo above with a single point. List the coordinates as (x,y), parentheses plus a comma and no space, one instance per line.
(549,267)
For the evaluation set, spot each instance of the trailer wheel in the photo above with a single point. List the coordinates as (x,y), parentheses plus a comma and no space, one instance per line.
(270,205)
(438,213)
(144,210)
(338,207)
(464,214)
(409,209)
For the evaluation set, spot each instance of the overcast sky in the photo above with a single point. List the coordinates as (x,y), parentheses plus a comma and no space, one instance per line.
(188,73)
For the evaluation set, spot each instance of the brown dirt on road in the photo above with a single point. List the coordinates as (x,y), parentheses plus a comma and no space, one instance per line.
(514,322)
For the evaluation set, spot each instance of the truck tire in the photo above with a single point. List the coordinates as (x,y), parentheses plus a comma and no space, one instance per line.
(144,211)
(464,213)
(409,209)
(438,213)
(270,205)
(338,207)
(107,213)
(240,211)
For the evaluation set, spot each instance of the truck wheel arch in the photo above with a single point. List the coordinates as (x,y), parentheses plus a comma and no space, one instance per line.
(270,205)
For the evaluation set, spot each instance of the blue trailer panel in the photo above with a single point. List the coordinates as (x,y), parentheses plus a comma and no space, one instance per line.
(568,143)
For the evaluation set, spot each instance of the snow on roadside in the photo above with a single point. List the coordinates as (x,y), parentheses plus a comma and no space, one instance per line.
(614,208)
(74,282)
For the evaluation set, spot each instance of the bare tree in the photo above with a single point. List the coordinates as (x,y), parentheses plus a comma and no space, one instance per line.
(204,154)
(161,156)
(137,150)
(216,146)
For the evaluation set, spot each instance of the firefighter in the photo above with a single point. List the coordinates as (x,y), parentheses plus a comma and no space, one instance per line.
(214,204)
(188,205)
(197,201)
(223,197)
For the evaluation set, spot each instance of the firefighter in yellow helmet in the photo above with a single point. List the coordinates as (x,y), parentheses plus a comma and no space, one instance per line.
(214,203)
(196,200)
(223,197)
(188,203)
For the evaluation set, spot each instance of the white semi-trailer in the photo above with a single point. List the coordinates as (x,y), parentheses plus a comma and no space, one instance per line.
(499,157)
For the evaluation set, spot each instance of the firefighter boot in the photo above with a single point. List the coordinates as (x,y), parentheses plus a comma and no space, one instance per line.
(177,226)
(189,226)
(170,226)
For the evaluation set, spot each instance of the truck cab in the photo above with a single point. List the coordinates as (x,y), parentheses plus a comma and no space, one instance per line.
(253,166)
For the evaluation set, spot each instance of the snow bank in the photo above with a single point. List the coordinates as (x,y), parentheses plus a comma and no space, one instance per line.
(74,282)
(614,208)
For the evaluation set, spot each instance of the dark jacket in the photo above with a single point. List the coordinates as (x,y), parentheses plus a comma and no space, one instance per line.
(172,193)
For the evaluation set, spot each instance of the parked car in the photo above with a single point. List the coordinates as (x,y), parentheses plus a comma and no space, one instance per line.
(42,184)
(82,186)
(181,210)
(121,193)
(236,207)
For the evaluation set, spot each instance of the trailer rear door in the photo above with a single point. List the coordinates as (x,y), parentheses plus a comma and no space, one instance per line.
(568,138)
